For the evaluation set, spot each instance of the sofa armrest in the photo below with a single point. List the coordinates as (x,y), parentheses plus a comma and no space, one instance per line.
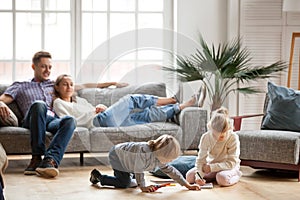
(193,122)
(237,120)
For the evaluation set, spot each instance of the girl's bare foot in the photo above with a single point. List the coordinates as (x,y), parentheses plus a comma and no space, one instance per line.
(197,99)
(189,103)
(161,101)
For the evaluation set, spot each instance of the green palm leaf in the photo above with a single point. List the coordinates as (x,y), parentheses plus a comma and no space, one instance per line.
(221,68)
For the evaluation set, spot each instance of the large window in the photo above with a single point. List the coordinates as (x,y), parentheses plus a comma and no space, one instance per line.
(28,26)
(93,40)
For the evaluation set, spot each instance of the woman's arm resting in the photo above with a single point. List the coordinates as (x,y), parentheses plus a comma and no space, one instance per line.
(100,85)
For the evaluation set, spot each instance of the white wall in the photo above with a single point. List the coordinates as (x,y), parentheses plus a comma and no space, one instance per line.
(208,17)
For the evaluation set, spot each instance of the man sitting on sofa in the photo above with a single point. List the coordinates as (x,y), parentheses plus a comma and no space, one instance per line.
(34,98)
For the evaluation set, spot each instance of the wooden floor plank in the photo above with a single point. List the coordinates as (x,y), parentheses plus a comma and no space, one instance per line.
(73,183)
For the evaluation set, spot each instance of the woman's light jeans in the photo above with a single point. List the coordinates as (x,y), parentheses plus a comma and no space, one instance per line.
(135,109)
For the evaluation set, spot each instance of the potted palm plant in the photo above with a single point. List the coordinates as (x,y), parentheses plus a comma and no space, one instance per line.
(221,69)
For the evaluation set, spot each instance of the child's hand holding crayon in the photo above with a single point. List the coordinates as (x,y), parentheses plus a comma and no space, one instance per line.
(153,188)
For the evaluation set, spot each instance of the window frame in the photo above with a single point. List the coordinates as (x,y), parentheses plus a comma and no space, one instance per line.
(75,61)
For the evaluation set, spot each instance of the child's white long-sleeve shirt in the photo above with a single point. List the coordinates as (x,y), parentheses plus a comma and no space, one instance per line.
(221,155)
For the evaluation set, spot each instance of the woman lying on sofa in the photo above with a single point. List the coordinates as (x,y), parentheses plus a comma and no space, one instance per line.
(122,113)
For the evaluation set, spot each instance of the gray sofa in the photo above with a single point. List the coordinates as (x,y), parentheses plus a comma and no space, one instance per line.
(277,144)
(192,123)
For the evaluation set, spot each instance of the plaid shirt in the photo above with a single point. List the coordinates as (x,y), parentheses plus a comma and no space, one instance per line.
(26,92)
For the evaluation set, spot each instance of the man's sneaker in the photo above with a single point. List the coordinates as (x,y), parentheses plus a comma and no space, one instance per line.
(95,176)
(34,163)
(47,168)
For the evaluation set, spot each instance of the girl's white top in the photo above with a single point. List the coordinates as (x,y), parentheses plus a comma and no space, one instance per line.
(81,110)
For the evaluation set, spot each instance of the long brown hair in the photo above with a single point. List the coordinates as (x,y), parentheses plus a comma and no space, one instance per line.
(56,84)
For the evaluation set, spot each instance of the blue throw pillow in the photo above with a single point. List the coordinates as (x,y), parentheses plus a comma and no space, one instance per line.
(283,111)
(183,164)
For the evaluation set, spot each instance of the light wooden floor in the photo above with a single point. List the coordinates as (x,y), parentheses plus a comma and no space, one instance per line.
(73,183)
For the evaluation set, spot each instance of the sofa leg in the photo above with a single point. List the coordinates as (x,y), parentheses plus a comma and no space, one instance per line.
(81,158)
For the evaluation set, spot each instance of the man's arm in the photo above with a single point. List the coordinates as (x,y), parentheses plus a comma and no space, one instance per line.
(100,85)
(7,99)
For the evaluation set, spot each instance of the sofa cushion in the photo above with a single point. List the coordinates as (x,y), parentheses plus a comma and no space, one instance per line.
(103,138)
(283,111)
(21,140)
(80,141)
(270,146)
(16,140)
(108,96)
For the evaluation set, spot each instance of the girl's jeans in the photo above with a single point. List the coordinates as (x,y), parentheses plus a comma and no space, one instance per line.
(121,178)
(135,109)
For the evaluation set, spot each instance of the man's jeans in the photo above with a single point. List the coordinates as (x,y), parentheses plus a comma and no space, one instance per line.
(38,122)
(123,112)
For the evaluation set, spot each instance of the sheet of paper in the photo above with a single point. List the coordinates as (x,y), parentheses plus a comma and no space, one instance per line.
(207,186)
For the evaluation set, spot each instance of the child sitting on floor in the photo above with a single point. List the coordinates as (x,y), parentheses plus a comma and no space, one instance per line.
(137,157)
(218,156)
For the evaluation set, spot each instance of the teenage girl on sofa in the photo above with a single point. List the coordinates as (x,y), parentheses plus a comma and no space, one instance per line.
(151,108)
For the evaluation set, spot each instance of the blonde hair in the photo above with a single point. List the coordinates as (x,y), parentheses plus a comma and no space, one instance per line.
(166,147)
(220,120)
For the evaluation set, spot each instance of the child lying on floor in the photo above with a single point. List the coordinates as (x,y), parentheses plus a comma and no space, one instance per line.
(137,157)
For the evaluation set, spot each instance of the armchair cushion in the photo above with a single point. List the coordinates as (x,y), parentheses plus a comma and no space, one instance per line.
(283,110)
